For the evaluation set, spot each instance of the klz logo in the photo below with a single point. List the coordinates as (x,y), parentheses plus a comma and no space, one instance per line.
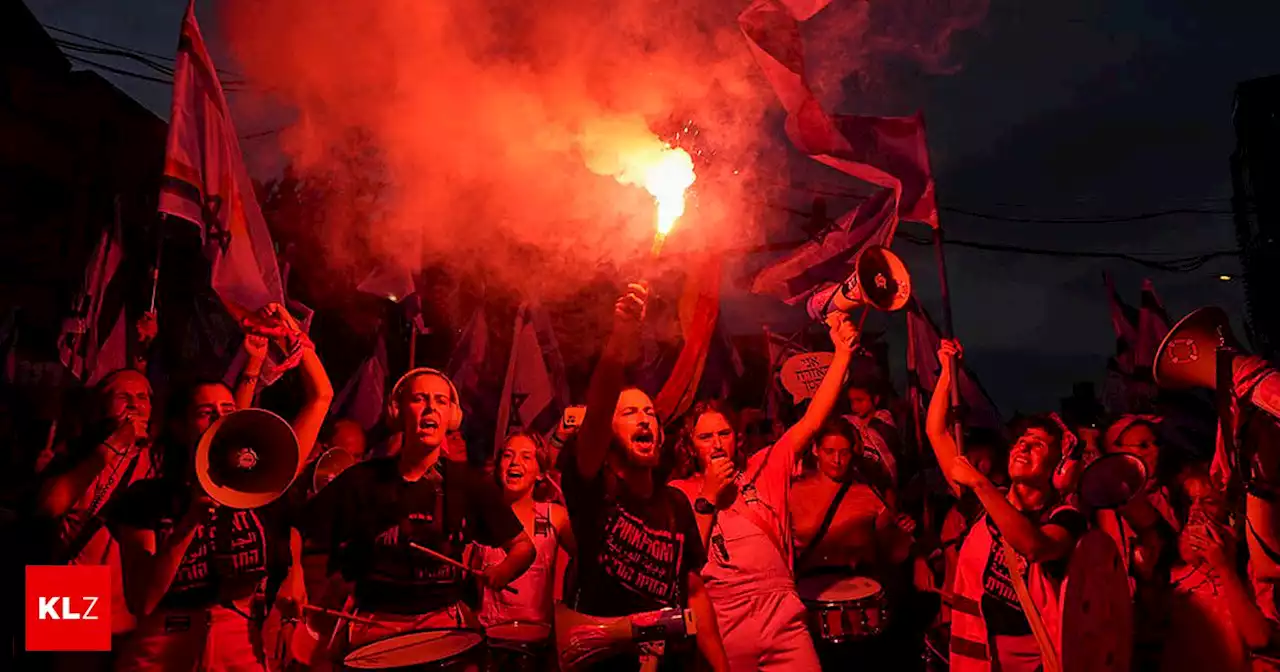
(68,608)
(49,609)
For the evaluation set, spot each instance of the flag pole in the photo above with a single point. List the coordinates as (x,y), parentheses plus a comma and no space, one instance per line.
(948,327)
(155,270)
(948,331)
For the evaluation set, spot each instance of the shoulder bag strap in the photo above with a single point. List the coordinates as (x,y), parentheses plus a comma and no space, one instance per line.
(826,524)
(1048,651)
(770,531)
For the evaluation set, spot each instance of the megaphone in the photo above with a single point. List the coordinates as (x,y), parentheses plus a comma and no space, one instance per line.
(247,459)
(879,280)
(330,465)
(1187,357)
(1111,481)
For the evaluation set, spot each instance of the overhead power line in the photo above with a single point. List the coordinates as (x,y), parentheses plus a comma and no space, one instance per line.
(121,47)
(118,71)
(1100,219)
(1185,264)
(1027,219)
(1170,264)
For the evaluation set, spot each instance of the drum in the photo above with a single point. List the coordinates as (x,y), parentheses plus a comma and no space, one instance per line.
(519,646)
(453,649)
(844,608)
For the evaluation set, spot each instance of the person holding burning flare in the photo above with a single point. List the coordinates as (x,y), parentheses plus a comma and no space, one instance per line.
(640,549)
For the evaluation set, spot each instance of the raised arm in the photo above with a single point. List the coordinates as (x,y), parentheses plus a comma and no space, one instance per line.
(844,336)
(319,395)
(608,380)
(318,390)
(255,350)
(944,445)
(63,487)
(1035,542)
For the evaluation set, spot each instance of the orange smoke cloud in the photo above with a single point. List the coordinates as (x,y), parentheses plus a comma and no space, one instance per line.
(502,128)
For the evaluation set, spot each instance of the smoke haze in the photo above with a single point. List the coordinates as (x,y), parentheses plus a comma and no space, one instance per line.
(498,127)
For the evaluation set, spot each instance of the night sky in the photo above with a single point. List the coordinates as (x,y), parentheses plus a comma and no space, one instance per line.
(1069,109)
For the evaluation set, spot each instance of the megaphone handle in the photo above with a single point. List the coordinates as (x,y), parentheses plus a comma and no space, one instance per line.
(863,320)
(1224,385)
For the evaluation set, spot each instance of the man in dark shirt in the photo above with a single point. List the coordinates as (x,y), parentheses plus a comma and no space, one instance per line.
(639,547)
(370,518)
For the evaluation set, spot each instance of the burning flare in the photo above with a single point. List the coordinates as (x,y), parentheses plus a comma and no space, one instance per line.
(622,147)
(667,178)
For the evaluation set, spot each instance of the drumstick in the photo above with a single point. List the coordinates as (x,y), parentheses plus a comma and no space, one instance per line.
(450,561)
(345,616)
(947,597)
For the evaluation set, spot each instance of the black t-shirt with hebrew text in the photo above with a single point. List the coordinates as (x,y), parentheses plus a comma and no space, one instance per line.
(228,558)
(634,554)
(368,515)
(1001,609)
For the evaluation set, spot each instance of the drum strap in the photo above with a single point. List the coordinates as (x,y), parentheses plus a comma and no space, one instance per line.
(1048,652)
(826,524)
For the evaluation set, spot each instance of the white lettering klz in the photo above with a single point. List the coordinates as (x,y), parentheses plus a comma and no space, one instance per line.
(48,609)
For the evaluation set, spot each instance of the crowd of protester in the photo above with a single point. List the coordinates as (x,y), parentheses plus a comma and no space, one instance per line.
(841,540)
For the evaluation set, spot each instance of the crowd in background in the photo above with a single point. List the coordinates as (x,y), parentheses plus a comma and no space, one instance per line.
(946,549)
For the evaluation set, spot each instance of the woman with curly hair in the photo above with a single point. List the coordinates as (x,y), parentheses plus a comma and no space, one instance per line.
(522,468)
(743,516)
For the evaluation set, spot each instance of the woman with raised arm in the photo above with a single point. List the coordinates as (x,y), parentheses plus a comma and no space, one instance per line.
(742,509)
(1027,528)
(195,572)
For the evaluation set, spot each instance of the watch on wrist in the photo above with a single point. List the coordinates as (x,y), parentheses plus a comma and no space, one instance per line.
(703,506)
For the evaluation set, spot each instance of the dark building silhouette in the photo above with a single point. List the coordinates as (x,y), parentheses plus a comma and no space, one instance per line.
(1255,172)
(70,144)
(71,147)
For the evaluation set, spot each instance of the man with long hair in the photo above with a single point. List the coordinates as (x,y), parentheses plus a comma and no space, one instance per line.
(744,518)
(639,546)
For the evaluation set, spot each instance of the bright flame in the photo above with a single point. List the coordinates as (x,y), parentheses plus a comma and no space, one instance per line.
(667,179)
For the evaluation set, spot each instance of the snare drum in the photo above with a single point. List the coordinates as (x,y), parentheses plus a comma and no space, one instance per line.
(452,649)
(844,609)
(519,646)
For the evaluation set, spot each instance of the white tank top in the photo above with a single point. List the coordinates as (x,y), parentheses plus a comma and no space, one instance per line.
(533,603)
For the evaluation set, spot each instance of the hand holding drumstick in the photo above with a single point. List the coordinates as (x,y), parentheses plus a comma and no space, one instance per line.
(450,561)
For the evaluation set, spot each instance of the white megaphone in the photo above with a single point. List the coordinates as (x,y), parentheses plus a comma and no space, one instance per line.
(879,280)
